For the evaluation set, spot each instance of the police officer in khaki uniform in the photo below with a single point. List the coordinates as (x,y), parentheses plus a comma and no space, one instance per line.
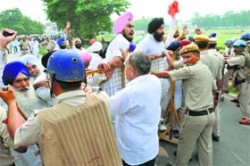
(48,44)
(199,119)
(29,134)
(219,81)
(24,44)
(215,66)
(5,141)
(242,79)
(62,127)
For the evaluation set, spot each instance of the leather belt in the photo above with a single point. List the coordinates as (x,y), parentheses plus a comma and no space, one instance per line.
(200,113)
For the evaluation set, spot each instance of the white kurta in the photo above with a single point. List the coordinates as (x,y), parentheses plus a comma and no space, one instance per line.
(136,111)
(114,84)
(150,46)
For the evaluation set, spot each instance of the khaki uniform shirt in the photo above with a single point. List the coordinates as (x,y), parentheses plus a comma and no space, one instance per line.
(213,63)
(50,46)
(237,60)
(221,62)
(197,85)
(29,133)
(5,141)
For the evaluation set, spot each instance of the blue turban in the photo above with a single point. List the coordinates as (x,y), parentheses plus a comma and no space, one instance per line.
(213,35)
(60,41)
(12,69)
(174,46)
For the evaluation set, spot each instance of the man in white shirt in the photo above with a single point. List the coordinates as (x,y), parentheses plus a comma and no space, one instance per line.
(124,30)
(136,110)
(154,46)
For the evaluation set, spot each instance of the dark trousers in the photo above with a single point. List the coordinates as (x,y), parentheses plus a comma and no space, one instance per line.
(148,163)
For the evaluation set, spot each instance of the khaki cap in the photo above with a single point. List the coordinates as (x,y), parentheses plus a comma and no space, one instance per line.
(189,48)
(201,38)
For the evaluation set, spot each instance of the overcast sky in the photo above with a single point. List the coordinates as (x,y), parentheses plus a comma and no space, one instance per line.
(140,8)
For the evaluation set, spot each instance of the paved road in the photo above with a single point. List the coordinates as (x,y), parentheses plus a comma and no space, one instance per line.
(233,149)
(12,57)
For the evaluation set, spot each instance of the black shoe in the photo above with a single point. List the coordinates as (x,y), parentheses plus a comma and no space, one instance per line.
(221,98)
(215,138)
(235,101)
(237,105)
(176,134)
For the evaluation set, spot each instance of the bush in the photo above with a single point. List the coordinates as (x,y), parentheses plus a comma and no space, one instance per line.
(42,51)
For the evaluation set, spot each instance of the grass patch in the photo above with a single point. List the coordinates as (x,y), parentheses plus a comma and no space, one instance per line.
(232,89)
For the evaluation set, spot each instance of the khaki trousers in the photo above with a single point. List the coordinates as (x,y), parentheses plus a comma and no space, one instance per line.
(244,99)
(196,130)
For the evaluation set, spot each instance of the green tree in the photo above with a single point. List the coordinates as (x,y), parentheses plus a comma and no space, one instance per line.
(142,24)
(14,19)
(229,19)
(87,17)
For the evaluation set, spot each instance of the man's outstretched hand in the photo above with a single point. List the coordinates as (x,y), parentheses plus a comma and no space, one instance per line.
(7,95)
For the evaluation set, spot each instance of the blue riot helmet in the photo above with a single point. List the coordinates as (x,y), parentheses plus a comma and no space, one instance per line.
(66,66)
(245,36)
(239,43)
(228,42)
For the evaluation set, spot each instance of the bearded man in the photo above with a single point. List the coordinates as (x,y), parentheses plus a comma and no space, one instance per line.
(61,43)
(114,60)
(38,78)
(17,75)
(153,45)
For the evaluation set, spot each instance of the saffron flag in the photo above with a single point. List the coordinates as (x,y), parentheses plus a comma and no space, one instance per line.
(173,8)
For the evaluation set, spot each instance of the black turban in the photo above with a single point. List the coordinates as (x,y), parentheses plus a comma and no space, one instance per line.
(45,58)
(155,24)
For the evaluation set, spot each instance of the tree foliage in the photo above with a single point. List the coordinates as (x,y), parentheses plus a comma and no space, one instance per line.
(87,17)
(229,19)
(142,24)
(15,20)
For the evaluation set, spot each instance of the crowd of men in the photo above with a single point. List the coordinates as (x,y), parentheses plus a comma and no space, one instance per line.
(46,98)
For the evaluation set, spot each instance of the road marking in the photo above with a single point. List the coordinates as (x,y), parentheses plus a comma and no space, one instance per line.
(238,157)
